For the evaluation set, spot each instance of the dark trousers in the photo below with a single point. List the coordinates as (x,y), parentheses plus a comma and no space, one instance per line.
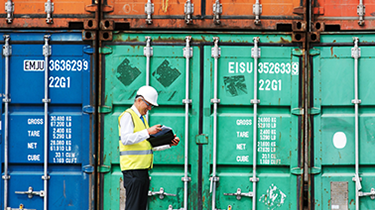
(136,183)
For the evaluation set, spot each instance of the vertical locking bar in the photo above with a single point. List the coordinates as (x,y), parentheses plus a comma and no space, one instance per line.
(361,13)
(149,10)
(188,10)
(9,9)
(217,9)
(49,8)
(215,53)
(7,52)
(356,54)
(257,10)
(188,53)
(148,52)
(255,53)
(46,100)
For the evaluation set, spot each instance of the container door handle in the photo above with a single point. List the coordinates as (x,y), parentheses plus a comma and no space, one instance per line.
(371,194)
(161,193)
(30,193)
(239,194)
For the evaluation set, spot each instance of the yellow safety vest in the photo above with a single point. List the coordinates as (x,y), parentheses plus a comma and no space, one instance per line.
(135,156)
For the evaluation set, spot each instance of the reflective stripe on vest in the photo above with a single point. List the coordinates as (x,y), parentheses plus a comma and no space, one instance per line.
(137,152)
(135,156)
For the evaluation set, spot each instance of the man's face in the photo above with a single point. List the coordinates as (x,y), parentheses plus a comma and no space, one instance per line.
(144,106)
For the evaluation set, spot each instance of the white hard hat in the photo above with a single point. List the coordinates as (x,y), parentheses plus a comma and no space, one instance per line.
(149,94)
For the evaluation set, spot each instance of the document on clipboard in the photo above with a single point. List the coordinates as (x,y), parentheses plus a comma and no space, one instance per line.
(163,137)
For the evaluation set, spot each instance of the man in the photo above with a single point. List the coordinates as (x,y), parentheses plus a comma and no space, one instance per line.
(136,153)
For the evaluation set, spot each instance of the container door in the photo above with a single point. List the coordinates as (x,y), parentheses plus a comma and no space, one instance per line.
(285,15)
(69,164)
(125,72)
(265,15)
(339,167)
(49,14)
(348,15)
(277,146)
(149,14)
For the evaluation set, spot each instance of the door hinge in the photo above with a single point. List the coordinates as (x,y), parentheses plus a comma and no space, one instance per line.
(314,52)
(296,171)
(298,52)
(314,170)
(314,111)
(91,8)
(104,169)
(104,109)
(105,50)
(88,109)
(107,8)
(201,139)
(299,10)
(318,10)
(298,111)
(88,50)
(88,169)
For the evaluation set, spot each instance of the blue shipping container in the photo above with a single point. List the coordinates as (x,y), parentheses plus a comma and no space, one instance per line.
(47,121)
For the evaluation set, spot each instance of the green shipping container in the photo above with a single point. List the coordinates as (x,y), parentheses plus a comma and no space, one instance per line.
(342,122)
(211,77)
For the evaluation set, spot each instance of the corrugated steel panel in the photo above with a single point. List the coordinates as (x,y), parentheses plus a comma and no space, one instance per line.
(124,72)
(346,15)
(226,14)
(82,14)
(279,127)
(342,159)
(70,120)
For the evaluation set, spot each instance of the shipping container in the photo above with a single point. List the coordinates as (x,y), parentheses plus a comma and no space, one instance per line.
(342,122)
(346,15)
(47,121)
(241,133)
(285,15)
(72,14)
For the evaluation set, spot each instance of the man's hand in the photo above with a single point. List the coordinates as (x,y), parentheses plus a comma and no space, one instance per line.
(154,129)
(175,141)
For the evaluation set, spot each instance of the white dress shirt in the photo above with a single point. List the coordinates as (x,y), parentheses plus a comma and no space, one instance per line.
(127,128)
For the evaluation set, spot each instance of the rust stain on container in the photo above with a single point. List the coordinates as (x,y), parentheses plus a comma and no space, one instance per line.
(82,14)
(235,14)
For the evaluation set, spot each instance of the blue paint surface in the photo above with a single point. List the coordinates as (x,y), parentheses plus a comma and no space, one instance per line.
(70,129)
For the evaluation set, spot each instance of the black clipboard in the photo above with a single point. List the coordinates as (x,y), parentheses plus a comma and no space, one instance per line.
(163,137)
